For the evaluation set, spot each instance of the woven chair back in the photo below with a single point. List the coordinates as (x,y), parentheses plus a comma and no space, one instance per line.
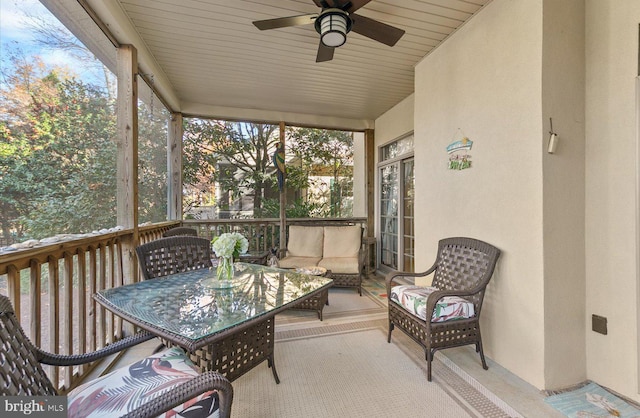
(181,230)
(464,264)
(173,255)
(22,374)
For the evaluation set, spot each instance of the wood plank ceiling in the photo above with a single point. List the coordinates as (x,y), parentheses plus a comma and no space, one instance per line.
(213,55)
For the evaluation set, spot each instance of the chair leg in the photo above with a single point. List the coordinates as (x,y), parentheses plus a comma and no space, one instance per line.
(389,333)
(481,351)
(429,356)
(272,364)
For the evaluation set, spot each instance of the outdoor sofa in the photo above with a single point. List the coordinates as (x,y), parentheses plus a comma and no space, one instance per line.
(336,248)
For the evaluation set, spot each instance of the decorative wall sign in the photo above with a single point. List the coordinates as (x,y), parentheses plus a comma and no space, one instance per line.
(459,159)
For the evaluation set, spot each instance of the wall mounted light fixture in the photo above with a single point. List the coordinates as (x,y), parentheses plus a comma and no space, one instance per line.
(553,139)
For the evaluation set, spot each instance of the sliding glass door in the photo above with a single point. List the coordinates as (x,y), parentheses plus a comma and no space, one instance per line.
(408,193)
(396,222)
(389,216)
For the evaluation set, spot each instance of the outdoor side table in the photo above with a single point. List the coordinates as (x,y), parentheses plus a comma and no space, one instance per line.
(257,257)
(317,302)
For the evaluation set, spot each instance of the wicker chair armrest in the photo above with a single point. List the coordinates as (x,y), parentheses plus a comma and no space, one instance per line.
(389,279)
(75,359)
(434,297)
(362,255)
(205,382)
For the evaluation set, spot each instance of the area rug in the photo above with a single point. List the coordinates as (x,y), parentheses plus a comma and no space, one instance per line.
(344,367)
(377,287)
(592,401)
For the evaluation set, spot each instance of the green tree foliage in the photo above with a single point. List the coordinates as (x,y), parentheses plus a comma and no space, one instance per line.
(237,158)
(299,208)
(58,155)
(234,155)
(322,153)
(152,161)
(58,151)
(199,159)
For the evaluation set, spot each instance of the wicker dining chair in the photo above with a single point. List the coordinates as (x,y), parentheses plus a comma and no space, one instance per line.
(452,303)
(180,230)
(150,387)
(172,255)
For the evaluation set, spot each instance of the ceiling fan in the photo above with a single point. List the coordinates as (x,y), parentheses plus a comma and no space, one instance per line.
(336,19)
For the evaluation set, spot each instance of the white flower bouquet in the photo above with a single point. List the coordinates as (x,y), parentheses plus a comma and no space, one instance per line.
(230,245)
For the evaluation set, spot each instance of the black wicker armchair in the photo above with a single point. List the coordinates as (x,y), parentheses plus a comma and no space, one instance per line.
(22,375)
(173,255)
(446,314)
(180,230)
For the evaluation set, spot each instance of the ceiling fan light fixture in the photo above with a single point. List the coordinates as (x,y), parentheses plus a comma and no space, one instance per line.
(333,26)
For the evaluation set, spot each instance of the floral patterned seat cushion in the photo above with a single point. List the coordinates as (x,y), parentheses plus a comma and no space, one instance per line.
(125,389)
(414,299)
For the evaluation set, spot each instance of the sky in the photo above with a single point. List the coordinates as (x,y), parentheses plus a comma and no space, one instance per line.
(12,17)
(14,32)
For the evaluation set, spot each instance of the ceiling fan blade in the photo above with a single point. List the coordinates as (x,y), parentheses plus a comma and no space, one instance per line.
(351,6)
(355,5)
(325,53)
(283,22)
(375,30)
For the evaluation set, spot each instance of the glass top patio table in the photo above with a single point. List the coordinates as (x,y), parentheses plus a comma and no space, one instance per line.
(191,310)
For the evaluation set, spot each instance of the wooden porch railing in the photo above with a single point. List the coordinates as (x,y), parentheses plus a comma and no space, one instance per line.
(263,234)
(51,285)
(56,281)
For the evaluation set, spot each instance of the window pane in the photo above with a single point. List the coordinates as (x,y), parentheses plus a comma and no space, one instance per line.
(396,148)
(319,173)
(153,123)
(388,218)
(57,141)
(225,172)
(397,191)
(229,171)
(408,203)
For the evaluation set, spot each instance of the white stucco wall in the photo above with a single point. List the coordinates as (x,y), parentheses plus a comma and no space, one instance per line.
(494,97)
(563,73)
(611,187)
(395,123)
(528,202)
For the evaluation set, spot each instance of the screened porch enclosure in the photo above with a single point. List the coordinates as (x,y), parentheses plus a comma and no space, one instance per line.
(137,191)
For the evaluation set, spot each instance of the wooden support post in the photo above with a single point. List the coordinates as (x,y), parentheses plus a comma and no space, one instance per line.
(13,288)
(283,199)
(127,138)
(370,171)
(174,168)
(36,305)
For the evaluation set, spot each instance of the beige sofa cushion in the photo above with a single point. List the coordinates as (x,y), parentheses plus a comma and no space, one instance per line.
(341,241)
(305,241)
(340,265)
(294,262)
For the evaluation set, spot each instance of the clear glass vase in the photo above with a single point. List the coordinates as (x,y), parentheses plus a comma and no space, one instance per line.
(224,272)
